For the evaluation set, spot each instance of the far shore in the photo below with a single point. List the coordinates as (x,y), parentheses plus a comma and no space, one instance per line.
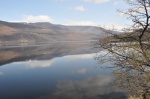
(28,44)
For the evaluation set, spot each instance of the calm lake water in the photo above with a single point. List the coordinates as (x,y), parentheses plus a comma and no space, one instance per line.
(55,71)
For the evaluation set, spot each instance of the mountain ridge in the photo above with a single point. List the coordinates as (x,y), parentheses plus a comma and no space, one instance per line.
(22,32)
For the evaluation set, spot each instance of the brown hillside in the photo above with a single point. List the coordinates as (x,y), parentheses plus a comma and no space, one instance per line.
(5,30)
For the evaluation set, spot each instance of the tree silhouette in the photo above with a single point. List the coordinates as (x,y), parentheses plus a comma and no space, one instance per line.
(130,51)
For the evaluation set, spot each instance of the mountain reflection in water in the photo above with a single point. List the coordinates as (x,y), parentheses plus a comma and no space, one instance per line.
(55,71)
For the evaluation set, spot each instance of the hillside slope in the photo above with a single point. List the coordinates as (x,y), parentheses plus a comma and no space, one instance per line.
(13,32)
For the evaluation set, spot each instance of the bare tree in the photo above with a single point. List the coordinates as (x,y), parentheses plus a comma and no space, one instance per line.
(130,51)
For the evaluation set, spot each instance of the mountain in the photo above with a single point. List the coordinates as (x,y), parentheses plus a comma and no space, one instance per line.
(21,32)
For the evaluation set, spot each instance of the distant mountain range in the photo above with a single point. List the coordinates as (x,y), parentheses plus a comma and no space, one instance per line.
(21,32)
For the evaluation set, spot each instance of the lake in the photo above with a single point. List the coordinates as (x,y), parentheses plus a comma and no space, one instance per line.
(61,70)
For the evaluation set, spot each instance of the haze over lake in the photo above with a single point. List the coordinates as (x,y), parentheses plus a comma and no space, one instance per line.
(62,70)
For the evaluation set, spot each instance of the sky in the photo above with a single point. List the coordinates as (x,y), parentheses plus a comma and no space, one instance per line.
(67,12)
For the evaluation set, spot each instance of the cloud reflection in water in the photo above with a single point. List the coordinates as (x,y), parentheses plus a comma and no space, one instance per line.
(1,73)
(81,71)
(40,64)
(99,87)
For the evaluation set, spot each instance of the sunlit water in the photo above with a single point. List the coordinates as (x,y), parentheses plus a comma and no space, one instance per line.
(76,76)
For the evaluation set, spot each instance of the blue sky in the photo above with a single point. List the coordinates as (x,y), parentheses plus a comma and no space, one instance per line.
(68,12)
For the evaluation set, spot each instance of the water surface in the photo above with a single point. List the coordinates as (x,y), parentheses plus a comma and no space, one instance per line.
(55,71)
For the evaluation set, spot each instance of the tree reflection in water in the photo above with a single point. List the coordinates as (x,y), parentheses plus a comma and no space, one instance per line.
(136,82)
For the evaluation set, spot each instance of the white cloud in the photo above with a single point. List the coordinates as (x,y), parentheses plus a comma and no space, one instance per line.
(91,1)
(116,3)
(122,14)
(41,64)
(80,23)
(60,0)
(79,8)
(39,18)
(97,1)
